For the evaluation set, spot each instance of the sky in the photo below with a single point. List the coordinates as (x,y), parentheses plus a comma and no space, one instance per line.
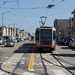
(25,14)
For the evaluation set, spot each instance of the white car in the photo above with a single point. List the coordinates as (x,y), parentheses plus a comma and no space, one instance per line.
(15,40)
(9,42)
(73,44)
(2,41)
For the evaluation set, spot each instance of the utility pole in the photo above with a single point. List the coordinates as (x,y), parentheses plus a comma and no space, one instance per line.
(70,23)
(3,15)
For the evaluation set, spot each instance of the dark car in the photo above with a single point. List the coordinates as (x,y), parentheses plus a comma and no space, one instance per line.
(9,42)
(72,43)
(60,40)
(18,39)
(66,41)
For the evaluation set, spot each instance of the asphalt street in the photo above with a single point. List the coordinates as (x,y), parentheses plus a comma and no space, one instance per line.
(23,59)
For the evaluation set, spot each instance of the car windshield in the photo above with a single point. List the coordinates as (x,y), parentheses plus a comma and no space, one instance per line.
(9,40)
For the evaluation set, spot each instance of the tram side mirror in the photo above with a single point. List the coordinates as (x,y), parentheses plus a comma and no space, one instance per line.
(37,35)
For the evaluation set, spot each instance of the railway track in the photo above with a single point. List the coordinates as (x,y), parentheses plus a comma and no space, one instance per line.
(48,60)
(62,60)
(60,63)
(4,65)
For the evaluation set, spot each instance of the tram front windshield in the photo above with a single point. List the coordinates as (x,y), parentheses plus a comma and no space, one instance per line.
(46,35)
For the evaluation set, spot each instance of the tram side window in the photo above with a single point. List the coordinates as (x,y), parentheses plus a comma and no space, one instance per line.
(54,35)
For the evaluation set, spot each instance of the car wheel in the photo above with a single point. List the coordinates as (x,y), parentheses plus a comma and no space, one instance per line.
(69,46)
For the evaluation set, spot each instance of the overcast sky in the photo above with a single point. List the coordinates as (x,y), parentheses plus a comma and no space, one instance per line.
(25,14)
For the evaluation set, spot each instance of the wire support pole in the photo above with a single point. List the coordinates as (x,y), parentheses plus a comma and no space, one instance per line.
(3,15)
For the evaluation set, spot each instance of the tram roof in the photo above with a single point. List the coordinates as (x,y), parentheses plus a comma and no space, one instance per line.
(46,27)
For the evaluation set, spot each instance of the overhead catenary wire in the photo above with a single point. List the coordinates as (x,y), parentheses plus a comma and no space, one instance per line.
(48,9)
(3,3)
(29,8)
(7,1)
(23,14)
(53,6)
(59,2)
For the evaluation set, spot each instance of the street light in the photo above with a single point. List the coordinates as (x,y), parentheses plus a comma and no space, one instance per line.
(2,16)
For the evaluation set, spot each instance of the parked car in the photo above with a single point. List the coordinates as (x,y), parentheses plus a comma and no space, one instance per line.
(60,40)
(72,44)
(21,39)
(15,40)
(9,42)
(18,39)
(66,41)
(2,41)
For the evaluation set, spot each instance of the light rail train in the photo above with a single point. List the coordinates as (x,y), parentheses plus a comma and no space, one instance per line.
(45,38)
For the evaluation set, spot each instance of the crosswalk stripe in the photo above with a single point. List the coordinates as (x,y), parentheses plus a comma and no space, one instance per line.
(1,72)
(28,73)
(59,72)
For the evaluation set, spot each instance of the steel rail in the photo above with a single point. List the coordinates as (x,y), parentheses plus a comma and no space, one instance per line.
(5,61)
(18,65)
(44,67)
(67,61)
(62,64)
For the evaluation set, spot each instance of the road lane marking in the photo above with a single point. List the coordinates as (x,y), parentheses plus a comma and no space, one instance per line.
(31,61)
(40,64)
(59,72)
(28,73)
(1,73)
(6,57)
(7,67)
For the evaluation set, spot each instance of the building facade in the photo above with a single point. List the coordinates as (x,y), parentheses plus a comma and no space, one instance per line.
(63,26)
(2,31)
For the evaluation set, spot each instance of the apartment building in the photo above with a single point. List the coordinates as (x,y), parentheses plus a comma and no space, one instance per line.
(22,34)
(17,33)
(2,31)
(73,23)
(12,33)
(63,26)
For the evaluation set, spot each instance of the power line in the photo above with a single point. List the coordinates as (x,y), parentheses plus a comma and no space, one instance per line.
(8,1)
(49,6)
(60,2)
(23,14)
(24,8)
(3,3)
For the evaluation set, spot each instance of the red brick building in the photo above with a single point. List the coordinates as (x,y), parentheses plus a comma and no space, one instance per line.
(73,20)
